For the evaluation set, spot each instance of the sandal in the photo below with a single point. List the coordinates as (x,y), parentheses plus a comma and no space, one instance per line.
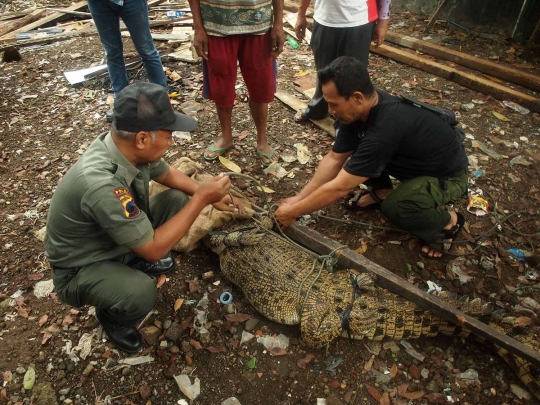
(271,156)
(219,151)
(351,201)
(303,114)
(447,238)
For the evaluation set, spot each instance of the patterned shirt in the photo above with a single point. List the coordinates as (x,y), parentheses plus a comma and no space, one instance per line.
(233,17)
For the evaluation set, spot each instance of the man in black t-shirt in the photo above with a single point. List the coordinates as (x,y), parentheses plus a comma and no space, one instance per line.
(377,136)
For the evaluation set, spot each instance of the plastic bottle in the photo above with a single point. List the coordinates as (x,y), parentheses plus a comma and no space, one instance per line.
(292,42)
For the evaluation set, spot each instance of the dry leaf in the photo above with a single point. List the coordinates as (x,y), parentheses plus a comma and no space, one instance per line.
(499,116)
(8,376)
(303,362)
(3,395)
(460,320)
(22,312)
(68,320)
(233,167)
(385,399)
(19,300)
(36,276)
(524,65)
(362,248)
(43,320)
(219,349)
(46,336)
(178,303)
(277,351)
(196,345)
(402,389)
(394,369)
(373,392)
(193,285)
(429,101)
(523,321)
(301,73)
(161,280)
(265,189)
(237,317)
(414,395)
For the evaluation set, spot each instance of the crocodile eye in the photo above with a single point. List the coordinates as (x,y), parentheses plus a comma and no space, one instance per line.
(363,306)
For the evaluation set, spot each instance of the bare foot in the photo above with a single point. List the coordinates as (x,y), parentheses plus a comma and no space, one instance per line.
(446,243)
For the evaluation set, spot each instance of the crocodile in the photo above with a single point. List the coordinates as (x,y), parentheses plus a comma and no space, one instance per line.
(287,286)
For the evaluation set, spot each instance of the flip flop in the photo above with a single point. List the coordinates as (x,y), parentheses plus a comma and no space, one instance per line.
(262,155)
(219,151)
(447,238)
(304,116)
(351,201)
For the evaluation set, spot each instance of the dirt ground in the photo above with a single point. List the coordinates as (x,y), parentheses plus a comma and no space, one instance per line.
(45,126)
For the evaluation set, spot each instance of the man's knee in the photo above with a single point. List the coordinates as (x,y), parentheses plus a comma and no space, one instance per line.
(140,299)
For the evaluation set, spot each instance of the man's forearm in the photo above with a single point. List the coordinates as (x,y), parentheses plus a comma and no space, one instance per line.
(302,10)
(277,8)
(320,198)
(327,171)
(168,234)
(195,7)
(177,180)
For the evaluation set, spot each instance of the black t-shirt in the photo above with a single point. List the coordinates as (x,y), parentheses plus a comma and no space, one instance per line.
(405,140)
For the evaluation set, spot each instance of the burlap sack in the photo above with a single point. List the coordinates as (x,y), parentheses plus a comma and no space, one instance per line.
(209,218)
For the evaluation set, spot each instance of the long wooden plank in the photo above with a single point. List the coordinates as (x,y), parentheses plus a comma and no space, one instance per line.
(47,20)
(21,22)
(461,58)
(465,79)
(12,41)
(291,19)
(326,124)
(388,280)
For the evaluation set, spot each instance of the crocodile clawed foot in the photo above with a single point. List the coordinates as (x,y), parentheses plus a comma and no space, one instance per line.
(366,281)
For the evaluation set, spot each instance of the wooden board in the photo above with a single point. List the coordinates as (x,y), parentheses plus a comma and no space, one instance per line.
(47,20)
(473,82)
(291,19)
(388,280)
(164,37)
(12,41)
(21,22)
(461,58)
(326,124)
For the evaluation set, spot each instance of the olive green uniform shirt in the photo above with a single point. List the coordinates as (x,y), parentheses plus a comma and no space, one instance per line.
(100,210)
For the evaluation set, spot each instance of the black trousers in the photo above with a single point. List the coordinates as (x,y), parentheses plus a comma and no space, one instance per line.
(329,43)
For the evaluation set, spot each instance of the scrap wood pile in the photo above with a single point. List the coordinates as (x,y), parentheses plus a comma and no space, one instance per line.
(44,25)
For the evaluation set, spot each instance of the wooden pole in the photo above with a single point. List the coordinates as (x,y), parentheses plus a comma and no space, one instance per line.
(485,66)
(435,16)
(388,280)
(21,22)
(45,20)
(465,79)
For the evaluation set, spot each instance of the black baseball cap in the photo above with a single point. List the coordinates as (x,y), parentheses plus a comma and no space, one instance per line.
(125,113)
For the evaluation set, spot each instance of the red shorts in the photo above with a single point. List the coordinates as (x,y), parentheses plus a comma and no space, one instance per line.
(257,65)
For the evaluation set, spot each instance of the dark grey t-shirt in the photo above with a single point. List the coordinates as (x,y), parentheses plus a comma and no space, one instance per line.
(402,139)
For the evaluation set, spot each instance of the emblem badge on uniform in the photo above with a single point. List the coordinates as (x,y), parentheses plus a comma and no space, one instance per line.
(128,203)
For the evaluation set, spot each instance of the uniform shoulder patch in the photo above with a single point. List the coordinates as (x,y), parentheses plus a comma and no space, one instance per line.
(128,203)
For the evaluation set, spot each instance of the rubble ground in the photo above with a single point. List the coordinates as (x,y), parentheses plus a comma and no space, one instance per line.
(47,124)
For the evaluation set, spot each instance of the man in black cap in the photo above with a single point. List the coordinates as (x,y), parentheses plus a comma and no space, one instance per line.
(106,237)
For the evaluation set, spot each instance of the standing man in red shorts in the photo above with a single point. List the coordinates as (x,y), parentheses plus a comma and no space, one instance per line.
(250,33)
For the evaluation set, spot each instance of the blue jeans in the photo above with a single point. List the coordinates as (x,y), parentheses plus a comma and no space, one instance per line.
(134,13)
